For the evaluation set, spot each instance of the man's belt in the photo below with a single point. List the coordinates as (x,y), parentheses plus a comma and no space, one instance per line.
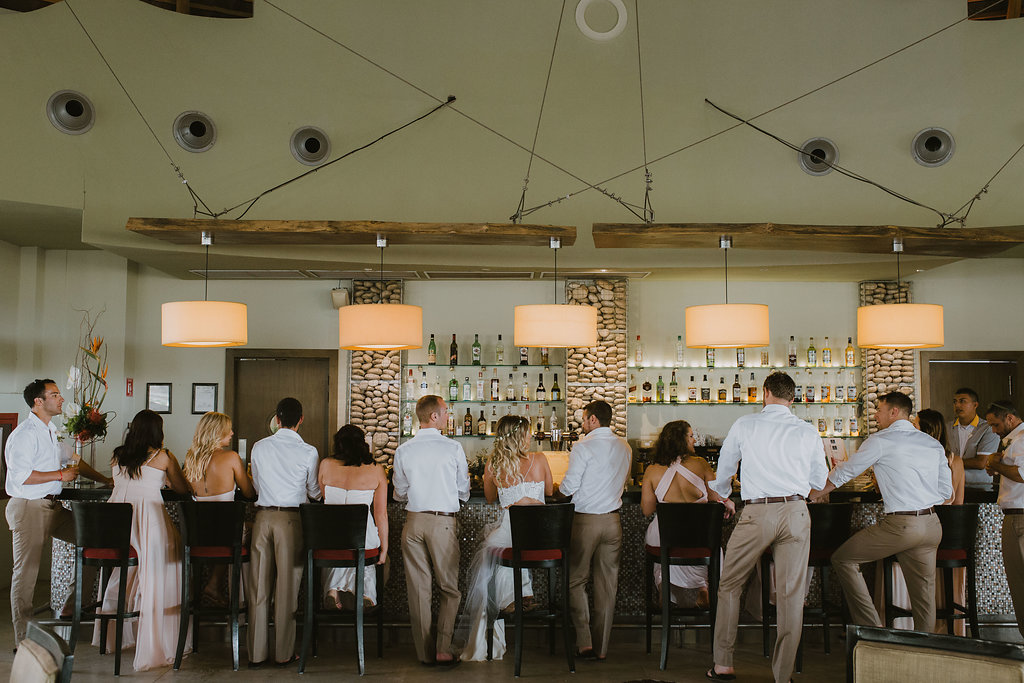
(773,499)
(913,513)
(276,508)
(434,512)
(1013,511)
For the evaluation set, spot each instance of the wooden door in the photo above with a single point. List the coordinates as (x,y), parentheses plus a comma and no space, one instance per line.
(993,375)
(258,379)
(8,421)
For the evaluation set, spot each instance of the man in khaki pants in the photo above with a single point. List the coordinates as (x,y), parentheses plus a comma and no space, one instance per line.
(598,467)
(431,476)
(783,458)
(913,476)
(284,472)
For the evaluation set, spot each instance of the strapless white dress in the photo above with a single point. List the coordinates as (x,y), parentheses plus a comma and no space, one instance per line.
(344,578)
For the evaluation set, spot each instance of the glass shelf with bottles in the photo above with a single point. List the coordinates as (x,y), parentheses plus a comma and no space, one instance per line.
(505,387)
(544,417)
(730,404)
(443,366)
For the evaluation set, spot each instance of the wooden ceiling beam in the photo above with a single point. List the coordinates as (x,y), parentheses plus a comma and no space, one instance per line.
(298,232)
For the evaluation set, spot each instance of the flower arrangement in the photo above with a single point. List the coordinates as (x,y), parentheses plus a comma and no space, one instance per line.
(87,381)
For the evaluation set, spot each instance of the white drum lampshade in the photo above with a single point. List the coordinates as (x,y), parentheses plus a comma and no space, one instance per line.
(203,324)
(555,326)
(380,327)
(724,326)
(900,326)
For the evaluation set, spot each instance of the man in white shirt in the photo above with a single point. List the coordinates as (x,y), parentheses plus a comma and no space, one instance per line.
(284,472)
(783,458)
(34,480)
(598,466)
(1004,419)
(431,476)
(971,438)
(913,476)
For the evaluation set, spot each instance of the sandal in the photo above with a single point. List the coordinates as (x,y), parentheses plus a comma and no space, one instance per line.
(713,675)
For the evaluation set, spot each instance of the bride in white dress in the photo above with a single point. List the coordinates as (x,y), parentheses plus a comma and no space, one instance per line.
(513,476)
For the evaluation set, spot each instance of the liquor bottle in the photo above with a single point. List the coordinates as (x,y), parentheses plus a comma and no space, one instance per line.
(809,389)
(837,424)
(723,392)
(467,391)
(437,386)
(553,420)
(524,355)
(407,422)
(791,360)
(632,396)
(453,353)
(822,422)
(840,389)
(741,357)
(480,395)
(499,351)
(679,349)
(476,349)
(467,423)
(450,428)
(673,389)
(495,386)
(510,390)
(481,424)
(826,388)
(424,387)
(851,389)
(544,356)
(736,397)
(799,391)
(691,391)
(826,354)
(851,353)
(854,429)
(659,390)
(709,357)
(752,390)
(812,354)
(556,391)
(705,390)
(494,420)
(526,414)
(525,389)
(647,390)
(432,352)
(638,353)
(541,394)
(764,358)
(453,389)
(410,386)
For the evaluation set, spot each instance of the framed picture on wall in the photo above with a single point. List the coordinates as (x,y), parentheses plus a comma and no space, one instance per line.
(158,397)
(204,398)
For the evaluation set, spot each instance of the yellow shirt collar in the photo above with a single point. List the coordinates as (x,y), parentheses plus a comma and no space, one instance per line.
(974,422)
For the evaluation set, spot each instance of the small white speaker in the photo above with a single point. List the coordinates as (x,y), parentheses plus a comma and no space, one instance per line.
(340,297)
(70,112)
(194,131)
(310,145)
(817,156)
(933,147)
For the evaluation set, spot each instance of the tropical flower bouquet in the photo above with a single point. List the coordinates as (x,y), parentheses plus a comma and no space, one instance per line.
(87,381)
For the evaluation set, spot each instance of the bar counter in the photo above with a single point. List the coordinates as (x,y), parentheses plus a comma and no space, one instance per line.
(993,593)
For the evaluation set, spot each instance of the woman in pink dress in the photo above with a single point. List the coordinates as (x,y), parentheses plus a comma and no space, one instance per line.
(140,468)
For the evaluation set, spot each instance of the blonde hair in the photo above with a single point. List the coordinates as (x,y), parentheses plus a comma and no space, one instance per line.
(510,436)
(210,431)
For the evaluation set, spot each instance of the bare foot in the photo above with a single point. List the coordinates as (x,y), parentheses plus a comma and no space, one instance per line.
(703,600)
(332,600)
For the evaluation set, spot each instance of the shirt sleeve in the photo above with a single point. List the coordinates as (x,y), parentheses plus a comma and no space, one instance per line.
(19,454)
(867,455)
(574,475)
(254,462)
(728,463)
(1015,455)
(399,479)
(462,472)
(312,481)
(819,471)
(945,477)
(988,443)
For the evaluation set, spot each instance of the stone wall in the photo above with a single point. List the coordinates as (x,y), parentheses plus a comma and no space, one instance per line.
(375,388)
(886,370)
(598,373)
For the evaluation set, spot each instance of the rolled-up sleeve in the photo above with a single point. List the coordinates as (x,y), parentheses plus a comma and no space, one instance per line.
(400,481)
(19,455)
(574,475)
(462,472)
(728,463)
(818,471)
(945,477)
(868,454)
(312,481)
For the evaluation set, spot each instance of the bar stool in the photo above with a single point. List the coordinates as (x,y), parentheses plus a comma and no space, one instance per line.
(103,533)
(335,536)
(691,535)
(830,528)
(956,549)
(541,536)
(211,534)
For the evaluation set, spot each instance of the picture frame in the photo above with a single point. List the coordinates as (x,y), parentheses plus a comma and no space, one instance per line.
(158,397)
(204,397)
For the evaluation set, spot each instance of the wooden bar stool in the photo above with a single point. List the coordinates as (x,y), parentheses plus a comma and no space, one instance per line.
(103,533)
(211,534)
(691,535)
(335,536)
(541,536)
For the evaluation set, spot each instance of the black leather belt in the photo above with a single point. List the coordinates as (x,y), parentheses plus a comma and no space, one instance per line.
(1013,511)
(913,513)
(276,508)
(51,496)
(435,513)
(773,499)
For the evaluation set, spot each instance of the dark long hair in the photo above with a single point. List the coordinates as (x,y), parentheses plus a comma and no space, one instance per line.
(933,424)
(671,443)
(145,432)
(350,447)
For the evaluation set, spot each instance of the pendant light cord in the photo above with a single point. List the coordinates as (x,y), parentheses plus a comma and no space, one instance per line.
(556,276)
(206,276)
(648,210)
(381,295)
(727,275)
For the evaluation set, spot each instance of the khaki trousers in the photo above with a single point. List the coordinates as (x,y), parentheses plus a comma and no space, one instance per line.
(275,570)
(596,539)
(1013,562)
(430,552)
(32,524)
(913,540)
(786,529)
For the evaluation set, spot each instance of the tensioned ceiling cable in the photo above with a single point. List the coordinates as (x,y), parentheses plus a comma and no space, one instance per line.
(648,216)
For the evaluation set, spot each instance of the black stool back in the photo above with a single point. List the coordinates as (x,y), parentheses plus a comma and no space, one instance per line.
(959,534)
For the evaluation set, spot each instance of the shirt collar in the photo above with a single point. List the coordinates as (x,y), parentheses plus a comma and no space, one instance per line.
(49,426)
(598,432)
(286,433)
(973,423)
(901,426)
(1015,434)
(425,431)
(775,408)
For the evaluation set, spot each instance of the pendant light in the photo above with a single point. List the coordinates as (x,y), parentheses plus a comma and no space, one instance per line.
(555,325)
(380,326)
(900,326)
(204,324)
(725,326)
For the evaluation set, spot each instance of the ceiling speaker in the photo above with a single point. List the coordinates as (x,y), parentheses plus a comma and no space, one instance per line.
(818,155)
(310,146)
(194,131)
(70,112)
(933,146)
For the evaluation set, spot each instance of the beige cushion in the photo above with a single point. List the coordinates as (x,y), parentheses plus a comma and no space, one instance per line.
(33,664)
(885,662)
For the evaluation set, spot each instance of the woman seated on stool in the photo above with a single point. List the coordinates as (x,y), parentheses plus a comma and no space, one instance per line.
(678,475)
(213,471)
(350,476)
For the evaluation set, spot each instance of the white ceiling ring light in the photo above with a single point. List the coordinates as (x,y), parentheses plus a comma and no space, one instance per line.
(610,34)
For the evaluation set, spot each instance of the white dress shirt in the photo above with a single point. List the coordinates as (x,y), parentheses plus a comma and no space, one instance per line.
(1011,493)
(781,454)
(598,467)
(32,446)
(910,466)
(284,469)
(431,473)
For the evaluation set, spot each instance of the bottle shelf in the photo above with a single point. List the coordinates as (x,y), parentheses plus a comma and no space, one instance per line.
(482,366)
(730,404)
(479,436)
(511,403)
(732,368)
